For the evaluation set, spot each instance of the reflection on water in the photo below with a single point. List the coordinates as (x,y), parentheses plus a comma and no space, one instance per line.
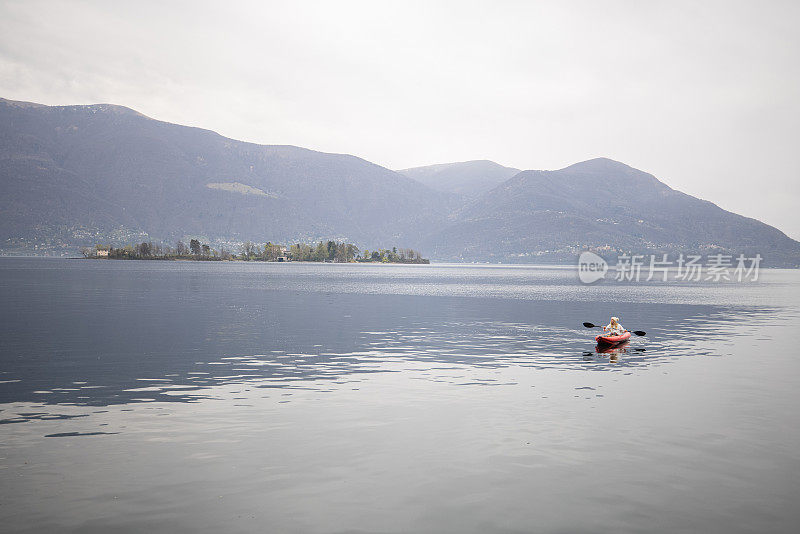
(384,398)
(82,337)
(145,350)
(612,353)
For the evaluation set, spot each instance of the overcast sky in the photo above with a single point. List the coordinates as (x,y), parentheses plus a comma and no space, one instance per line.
(705,95)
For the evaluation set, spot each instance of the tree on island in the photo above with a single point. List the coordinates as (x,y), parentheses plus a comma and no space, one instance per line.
(323,251)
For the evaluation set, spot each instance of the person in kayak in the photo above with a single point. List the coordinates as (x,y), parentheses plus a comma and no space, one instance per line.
(614,328)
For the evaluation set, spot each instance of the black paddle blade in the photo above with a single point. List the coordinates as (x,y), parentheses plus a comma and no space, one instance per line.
(589,325)
(639,332)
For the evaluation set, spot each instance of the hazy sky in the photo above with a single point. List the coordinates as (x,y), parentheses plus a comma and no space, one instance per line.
(705,95)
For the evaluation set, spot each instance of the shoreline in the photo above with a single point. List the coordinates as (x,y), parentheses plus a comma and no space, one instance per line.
(236,260)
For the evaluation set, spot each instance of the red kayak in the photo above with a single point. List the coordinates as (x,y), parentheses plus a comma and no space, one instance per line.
(612,340)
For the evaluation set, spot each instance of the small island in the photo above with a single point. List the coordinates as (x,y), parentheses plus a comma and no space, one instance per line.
(323,252)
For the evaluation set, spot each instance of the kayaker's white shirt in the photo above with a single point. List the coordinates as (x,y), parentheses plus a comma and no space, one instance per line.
(614,329)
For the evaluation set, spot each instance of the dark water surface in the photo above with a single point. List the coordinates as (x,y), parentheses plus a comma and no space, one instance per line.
(188,396)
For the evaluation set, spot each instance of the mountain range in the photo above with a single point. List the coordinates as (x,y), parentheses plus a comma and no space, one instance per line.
(73,176)
(466,179)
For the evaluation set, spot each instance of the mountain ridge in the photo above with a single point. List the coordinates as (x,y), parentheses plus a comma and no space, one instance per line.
(563,212)
(153,176)
(464,179)
(78,175)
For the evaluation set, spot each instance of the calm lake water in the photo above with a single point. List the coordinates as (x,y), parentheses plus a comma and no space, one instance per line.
(232,397)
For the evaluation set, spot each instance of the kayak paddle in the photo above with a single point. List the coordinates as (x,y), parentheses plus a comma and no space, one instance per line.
(637,332)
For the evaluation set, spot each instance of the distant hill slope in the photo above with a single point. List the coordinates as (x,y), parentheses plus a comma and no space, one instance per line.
(468,178)
(84,173)
(81,175)
(600,204)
